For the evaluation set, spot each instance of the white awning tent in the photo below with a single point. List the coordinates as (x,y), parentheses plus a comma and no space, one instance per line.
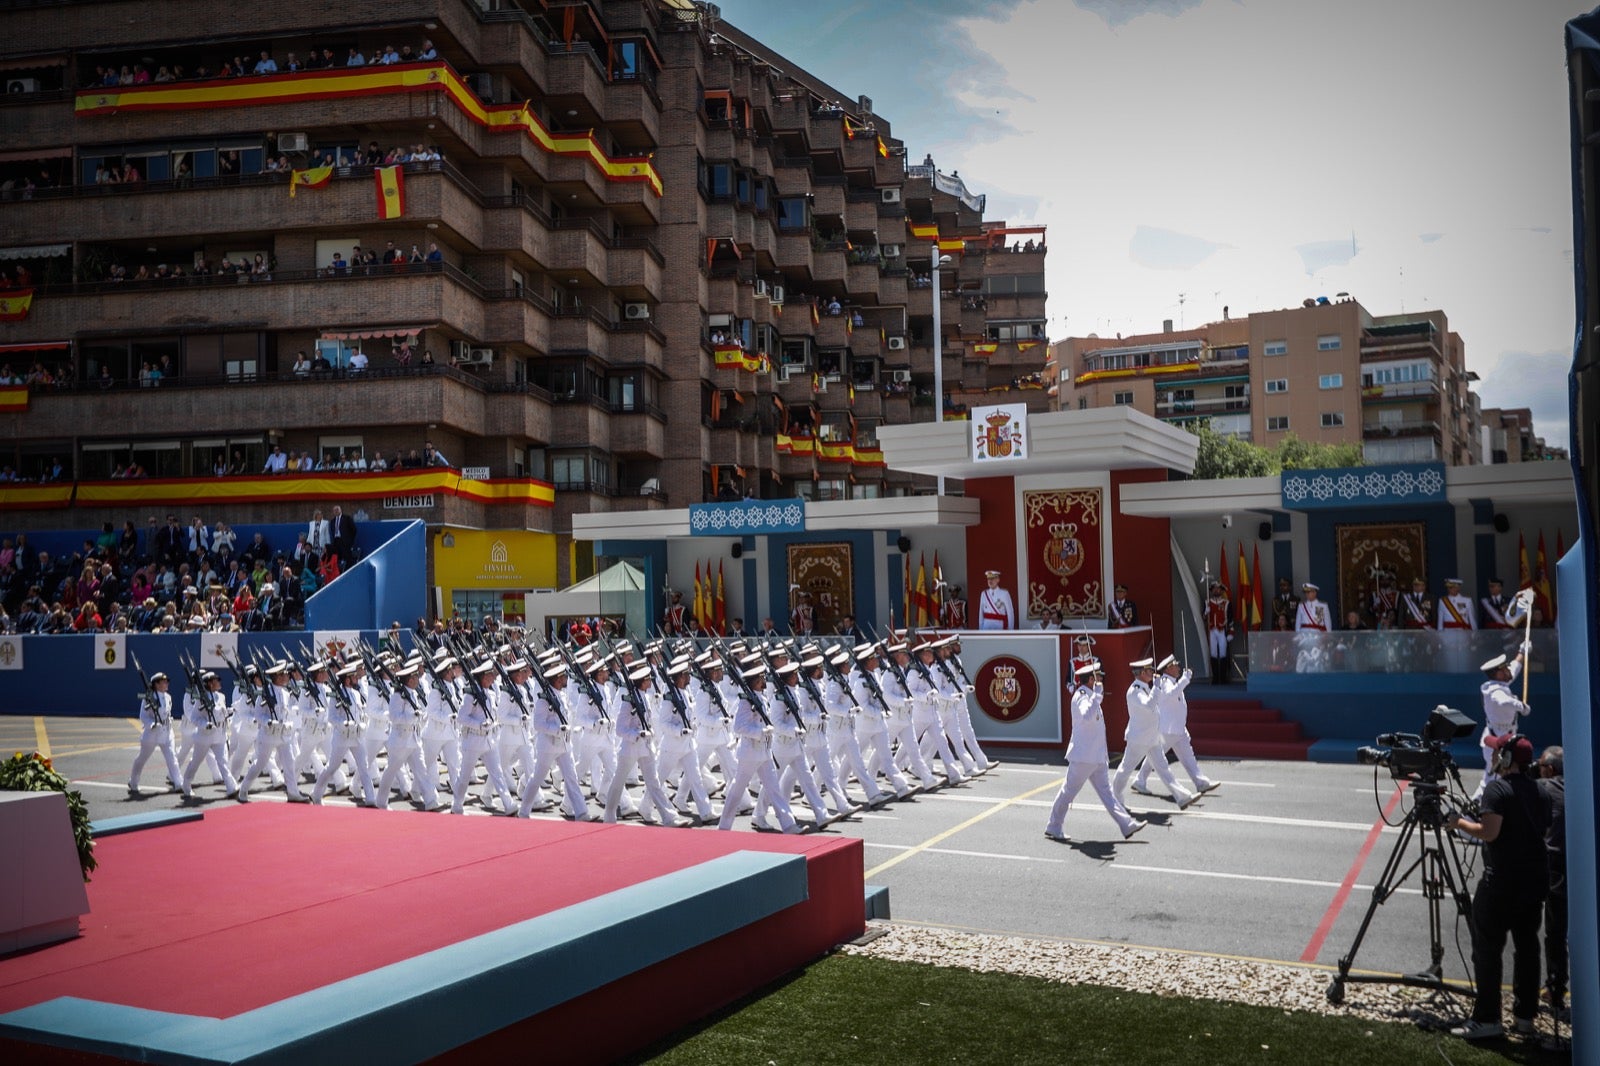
(616,590)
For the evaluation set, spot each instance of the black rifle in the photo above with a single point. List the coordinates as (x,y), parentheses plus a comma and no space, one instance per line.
(585,680)
(712,689)
(839,677)
(635,697)
(447,691)
(789,702)
(151,700)
(753,697)
(381,677)
(311,686)
(679,707)
(516,691)
(242,680)
(547,690)
(266,694)
(197,688)
(811,689)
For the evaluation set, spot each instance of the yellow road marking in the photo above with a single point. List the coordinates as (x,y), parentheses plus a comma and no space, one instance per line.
(41,739)
(96,748)
(953,830)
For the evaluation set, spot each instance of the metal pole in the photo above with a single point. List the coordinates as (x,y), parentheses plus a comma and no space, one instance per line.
(938,352)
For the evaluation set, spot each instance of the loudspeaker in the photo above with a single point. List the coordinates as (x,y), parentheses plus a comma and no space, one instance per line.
(1502,524)
(904,544)
(1264,531)
(737,549)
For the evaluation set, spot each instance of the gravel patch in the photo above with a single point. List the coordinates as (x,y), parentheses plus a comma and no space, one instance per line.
(1168,973)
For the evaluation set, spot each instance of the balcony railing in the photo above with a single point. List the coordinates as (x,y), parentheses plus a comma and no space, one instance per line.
(1410,428)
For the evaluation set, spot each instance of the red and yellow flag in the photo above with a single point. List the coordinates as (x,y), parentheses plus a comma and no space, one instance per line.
(391,188)
(883,149)
(719,610)
(15,304)
(314,178)
(697,609)
(13,398)
(1255,586)
(920,597)
(1524,575)
(1542,598)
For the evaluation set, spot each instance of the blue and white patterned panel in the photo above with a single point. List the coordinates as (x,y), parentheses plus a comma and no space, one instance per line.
(739,518)
(1392,485)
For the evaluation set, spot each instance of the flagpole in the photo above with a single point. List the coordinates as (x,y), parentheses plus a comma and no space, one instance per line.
(1527,636)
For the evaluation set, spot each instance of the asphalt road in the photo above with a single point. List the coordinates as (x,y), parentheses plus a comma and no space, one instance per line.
(1277,864)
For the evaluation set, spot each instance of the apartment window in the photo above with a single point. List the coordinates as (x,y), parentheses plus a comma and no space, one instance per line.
(1277,385)
(793,213)
(1330,381)
(1275,348)
(1329,342)
(1236,392)
(1083,403)
(1332,419)
(1277,423)
(1122,399)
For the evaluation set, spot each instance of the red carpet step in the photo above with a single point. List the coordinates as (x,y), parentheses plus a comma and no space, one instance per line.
(1237,727)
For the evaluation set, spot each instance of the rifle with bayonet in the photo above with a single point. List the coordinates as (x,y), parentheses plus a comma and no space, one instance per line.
(583,678)
(789,702)
(750,694)
(196,687)
(711,687)
(152,701)
(379,673)
(446,690)
(841,680)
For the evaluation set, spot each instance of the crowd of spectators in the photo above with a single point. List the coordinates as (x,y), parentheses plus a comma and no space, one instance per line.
(263,65)
(169,578)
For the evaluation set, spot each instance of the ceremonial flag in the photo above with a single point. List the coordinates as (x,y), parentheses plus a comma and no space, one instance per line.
(1560,551)
(921,598)
(696,611)
(1245,601)
(1222,573)
(1255,587)
(849,130)
(1541,585)
(314,178)
(14,305)
(391,188)
(1524,575)
(936,605)
(906,614)
(816,316)
(720,613)
(13,398)
(883,149)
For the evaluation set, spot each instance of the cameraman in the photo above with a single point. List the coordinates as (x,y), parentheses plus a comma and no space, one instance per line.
(1510,896)
(1554,785)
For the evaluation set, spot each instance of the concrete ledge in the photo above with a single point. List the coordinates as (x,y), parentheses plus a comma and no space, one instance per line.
(42,893)
(132,823)
(430,1004)
(877,903)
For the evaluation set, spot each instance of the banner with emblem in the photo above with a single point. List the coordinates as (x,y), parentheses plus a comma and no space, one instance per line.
(335,643)
(999,432)
(824,572)
(1017,686)
(1374,558)
(10,652)
(391,190)
(110,651)
(1064,553)
(217,648)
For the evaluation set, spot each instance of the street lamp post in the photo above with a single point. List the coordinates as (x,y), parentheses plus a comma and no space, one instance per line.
(938,348)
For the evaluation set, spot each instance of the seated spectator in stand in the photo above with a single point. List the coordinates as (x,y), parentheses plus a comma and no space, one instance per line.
(237,578)
(243,602)
(277,462)
(329,569)
(257,550)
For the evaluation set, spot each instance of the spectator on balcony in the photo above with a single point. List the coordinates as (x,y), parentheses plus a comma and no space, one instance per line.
(834,307)
(435,260)
(315,60)
(292,64)
(412,461)
(125,77)
(223,538)
(378,462)
(428,51)
(266,64)
(236,463)
(355,59)
(433,457)
(427,358)
(353,463)
(302,365)
(358,361)
(387,56)
(277,462)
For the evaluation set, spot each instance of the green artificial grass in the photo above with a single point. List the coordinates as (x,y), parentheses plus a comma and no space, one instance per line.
(852,1010)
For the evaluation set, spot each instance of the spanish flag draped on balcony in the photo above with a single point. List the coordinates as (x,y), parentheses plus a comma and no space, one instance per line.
(13,398)
(883,149)
(14,305)
(924,231)
(314,178)
(391,190)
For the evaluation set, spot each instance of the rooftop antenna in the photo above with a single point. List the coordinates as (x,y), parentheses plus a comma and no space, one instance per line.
(1182,296)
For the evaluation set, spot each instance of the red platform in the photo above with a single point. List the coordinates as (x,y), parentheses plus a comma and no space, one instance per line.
(229,917)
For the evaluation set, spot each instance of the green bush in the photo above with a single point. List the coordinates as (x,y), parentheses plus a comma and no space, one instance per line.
(33,773)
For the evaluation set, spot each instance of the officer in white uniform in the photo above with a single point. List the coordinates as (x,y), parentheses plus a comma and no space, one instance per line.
(995,609)
(754,755)
(1173,715)
(439,740)
(896,679)
(552,747)
(274,739)
(925,714)
(1087,758)
(1501,708)
(1143,737)
(155,724)
(208,710)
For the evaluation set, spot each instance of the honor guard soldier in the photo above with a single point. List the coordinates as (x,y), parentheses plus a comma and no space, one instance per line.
(439,740)
(953,610)
(752,726)
(408,715)
(844,748)
(995,609)
(1122,611)
(1087,758)
(1143,736)
(1082,655)
(925,714)
(1219,632)
(1385,598)
(1501,708)
(874,724)
(274,739)
(1312,614)
(676,621)
(1455,610)
(208,710)
(1416,606)
(1497,606)
(788,750)
(1170,681)
(155,723)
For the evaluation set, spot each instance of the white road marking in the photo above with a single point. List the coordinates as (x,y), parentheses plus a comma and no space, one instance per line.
(1171,809)
(954,851)
(146,789)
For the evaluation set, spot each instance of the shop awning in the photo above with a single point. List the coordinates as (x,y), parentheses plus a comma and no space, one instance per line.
(373,334)
(36,346)
(35,251)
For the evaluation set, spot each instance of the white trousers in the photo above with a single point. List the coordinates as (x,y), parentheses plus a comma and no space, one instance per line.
(1092,773)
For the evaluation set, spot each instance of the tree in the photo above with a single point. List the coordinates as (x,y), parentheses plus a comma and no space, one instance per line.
(1223,457)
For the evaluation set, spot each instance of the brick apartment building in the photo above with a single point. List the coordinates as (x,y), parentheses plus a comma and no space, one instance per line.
(1329,372)
(670,262)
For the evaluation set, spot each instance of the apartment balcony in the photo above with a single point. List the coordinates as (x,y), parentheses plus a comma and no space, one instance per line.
(861,213)
(574,80)
(633,107)
(892,289)
(517,412)
(579,421)
(635,266)
(828,264)
(862,280)
(638,432)
(919,300)
(829,200)
(1169,408)
(575,330)
(795,253)
(516,318)
(793,176)
(1416,427)
(638,343)
(732,446)
(833,331)
(511,45)
(1403,392)
(578,247)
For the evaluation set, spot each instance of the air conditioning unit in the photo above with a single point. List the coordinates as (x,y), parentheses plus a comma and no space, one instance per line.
(897,344)
(890,196)
(293,142)
(902,376)
(777,294)
(479,357)
(22,85)
(892,251)
(461,351)
(761,287)
(636,312)
(723,321)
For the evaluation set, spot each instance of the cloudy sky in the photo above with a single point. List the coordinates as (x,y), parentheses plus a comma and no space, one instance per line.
(1191,154)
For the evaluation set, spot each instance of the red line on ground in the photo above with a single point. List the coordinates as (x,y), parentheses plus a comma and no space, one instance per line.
(1325,926)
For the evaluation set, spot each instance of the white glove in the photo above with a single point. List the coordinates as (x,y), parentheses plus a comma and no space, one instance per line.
(1527,646)
(968,689)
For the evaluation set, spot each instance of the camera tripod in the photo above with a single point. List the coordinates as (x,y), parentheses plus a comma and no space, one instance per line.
(1442,873)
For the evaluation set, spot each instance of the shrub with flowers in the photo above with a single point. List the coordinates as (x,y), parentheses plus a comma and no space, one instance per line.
(33,773)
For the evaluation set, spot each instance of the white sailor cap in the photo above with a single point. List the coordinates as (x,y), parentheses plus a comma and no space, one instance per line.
(584,654)
(676,669)
(277,667)
(548,655)
(653,648)
(991,573)
(209,675)
(788,668)
(1087,669)
(553,672)
(349,671)
(755,673)
(811,663)
(1168,661)
(926,645)
(485,667)
(810,648)
(841,658)
(623,646)
(405,672)
(1310,586)
(682,657)
(643,673)
(321,665)
(1143,664)
(864,649)
(1494,664)
(945,642)
(251,670)
(595,667)
(517,664)
(157,676)
(445,663)
(704,657)
(753,659)
(897,646)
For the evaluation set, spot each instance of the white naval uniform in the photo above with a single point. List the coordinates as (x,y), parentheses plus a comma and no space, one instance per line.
(635,751)
(1173,717)
(552,747)
(788,749)
(1087,757)
(475,724)
(873,732)
(844,752)
(1501,709)
(952,700)
(345,743)
(814,743)
(902,726)
(155,732)
(439,740)
(925,717)
(596,754)
(273,740)
(1143,741)
(676,755)
(753,757)
(210,740)
(995,609)
(408,710)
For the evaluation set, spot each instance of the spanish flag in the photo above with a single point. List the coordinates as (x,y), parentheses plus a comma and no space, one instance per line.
(13,398)
(883,149)
(391,184)
(14,305)
(315,178)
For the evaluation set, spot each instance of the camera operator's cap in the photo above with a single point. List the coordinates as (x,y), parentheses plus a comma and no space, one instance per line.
(1494,664)
(1521,747)
(811,662)
(1168,661)
(1086,670)
(1143,664)
(553,672)
(158,676)
(1310,586)
(643,673)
